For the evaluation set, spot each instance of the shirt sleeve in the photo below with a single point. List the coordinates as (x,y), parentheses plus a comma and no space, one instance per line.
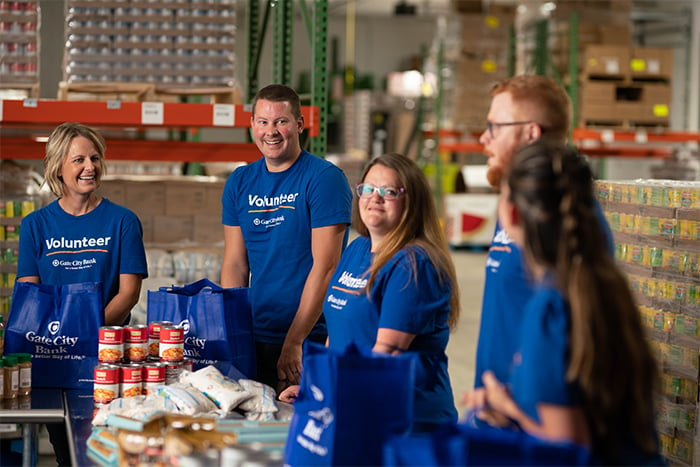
(27,261)
(413,303)
(229,214)
(133,253)
(540,369)
(330,198)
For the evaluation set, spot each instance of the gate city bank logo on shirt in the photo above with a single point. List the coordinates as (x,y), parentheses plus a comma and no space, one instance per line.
(68,246)
(268,204)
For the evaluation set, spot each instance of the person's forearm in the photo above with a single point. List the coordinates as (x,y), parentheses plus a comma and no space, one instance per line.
(118,309)
(234,276)
(310,306)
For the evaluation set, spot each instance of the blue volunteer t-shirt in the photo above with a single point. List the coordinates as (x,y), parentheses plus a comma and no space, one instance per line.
(276,212)
(539,367)
(507,290)
(98,246)
(398,301)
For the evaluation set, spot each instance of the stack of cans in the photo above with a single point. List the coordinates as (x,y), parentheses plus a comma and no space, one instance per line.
(134,360)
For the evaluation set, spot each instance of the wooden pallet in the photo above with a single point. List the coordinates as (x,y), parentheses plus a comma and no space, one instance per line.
(19,90)
(145,92)
(623,124)
(126,92)
(216,95)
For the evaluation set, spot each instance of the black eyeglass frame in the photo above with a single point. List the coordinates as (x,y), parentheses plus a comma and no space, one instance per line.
(491,125)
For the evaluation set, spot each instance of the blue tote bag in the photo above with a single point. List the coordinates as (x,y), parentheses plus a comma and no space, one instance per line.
(58,326)
(462,444)
(348,405)
(217,321)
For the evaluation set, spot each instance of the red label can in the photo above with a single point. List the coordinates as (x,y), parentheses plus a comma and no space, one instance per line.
(171,345)
(154,337)
(110,344)
(131,380)
(136,343)
(106,386)
(153,376)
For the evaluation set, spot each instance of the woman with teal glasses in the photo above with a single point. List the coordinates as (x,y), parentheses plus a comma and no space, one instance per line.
(395,288)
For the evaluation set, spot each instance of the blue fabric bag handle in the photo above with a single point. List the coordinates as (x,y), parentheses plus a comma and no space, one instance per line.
(58,325)
(217,321)
(349,404)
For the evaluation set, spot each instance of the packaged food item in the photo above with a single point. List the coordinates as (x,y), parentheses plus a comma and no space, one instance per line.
(25,374)
(11,377)
(226,393)
(154,337)
(110,344)
(153,376)
(171,344)
(106,387)
(131,380)
(135,343)
(2,334)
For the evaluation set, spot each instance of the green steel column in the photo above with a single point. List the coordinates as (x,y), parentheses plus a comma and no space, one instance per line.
(438,127)
(282,41)
(541,48)
(511,51)
(254,39)
(573,68)
(319,75)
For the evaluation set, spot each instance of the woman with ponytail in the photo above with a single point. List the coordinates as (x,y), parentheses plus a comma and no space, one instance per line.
(584,371)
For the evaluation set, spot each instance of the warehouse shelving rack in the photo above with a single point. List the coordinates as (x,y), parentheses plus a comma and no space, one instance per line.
(41,114)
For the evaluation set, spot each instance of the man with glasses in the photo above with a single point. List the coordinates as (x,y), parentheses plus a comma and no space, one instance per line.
(286,219)
(523,109)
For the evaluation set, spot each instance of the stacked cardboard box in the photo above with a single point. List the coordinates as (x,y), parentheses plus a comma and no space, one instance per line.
(19,48)
(174,210)
(626,87)
(656,225)
(480,62)
(178,42)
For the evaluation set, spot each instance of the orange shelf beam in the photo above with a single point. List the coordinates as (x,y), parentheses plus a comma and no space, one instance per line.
(641,136)
(38,112)
(143,150)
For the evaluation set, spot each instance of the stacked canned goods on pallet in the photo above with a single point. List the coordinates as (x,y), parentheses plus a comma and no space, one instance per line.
(19,42)
(180,42)
(135,360)
(656,226)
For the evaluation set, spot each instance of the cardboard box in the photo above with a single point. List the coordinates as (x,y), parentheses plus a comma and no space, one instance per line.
(207,229)
(184,198)
(606,60)
(145,198)
(651,63)
(113,190)
(173,229)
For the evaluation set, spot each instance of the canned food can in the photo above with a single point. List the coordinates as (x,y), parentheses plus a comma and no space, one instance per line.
(131,383)
(153,376)
(187,365)
(172,372)
(111,344)
(12,232)
(136,343)
(171,344)
(106,386)
(154,336)
(27,207)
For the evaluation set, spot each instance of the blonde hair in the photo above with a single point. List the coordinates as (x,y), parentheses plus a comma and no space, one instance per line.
(57,148)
